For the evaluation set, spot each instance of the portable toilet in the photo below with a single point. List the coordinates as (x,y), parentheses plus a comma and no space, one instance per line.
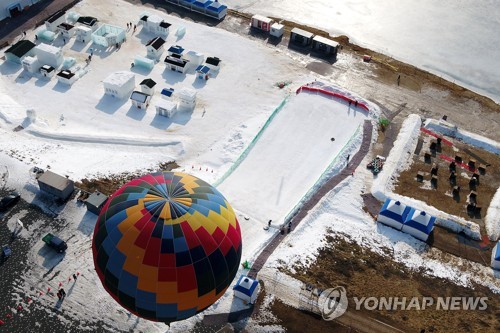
(277,30)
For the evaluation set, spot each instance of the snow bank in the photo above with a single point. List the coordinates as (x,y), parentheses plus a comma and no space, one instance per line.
(397,161)
(492,219)
(453,131)
(399,157)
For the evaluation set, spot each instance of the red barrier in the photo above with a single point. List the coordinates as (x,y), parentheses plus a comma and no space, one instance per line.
(443,140)
(450,159)
(334,94)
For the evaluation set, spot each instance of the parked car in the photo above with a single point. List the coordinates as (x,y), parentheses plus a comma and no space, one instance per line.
(9,201)
(55,242)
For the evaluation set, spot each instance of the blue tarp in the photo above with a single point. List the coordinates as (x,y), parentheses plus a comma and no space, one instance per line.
(176,49)
(203,69)
(167,92)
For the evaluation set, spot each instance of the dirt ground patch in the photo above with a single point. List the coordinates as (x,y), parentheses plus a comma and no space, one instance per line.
(108,184)
(441,196)
(365,273)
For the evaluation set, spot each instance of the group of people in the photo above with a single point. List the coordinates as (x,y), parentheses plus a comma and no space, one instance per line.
(129,26)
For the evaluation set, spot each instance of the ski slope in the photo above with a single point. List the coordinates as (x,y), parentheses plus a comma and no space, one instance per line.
(288,158)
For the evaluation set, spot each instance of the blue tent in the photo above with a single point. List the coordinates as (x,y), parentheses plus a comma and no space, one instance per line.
(246,289)
(495,256)
(393,213)
(419,224)
(167,92)
(200,5)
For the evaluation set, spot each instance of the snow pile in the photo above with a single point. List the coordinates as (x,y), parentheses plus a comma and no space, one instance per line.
(399,158)
(453,131)
(492,218)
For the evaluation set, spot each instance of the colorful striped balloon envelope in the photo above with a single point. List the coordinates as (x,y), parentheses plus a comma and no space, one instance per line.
(166,246)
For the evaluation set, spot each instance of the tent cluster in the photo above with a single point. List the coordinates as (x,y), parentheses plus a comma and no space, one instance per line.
(417,223)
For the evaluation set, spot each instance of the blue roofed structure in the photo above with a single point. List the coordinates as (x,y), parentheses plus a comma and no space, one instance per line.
(393,213)
(217,10)
(167,92)
(175,49)
(200,6)
(186,3)
(246,288)
(419,224)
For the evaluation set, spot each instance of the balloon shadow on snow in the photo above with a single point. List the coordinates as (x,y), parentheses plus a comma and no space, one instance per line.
(110,104)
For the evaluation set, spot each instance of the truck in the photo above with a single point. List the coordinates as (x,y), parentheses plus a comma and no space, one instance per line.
(55,242)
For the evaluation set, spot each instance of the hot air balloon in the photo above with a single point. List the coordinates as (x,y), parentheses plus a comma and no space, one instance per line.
(166,246)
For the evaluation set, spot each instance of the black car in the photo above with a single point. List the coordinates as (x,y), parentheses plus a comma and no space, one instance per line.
(9,201)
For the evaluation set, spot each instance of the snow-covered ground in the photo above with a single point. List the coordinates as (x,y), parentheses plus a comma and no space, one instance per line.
(461,52)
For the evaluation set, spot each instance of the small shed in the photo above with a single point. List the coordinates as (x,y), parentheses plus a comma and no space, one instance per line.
(67,77)
(83,34)
(67,30)
(175,49)
(325,45)
(108,35)
(167,93)
(31,64)
(140,99)
(216,10)
(165,108)
(277,30)
(47,71)
(95,202)
(18,51)
(213,63)
(154,24)
(55,20)
(495,256)
(262,22)
(203,72)
(49,55)
(176,62)
(419,224)
(301,37)
(119,84)
(194,58)
(187,98)
(247,289)
(155,48)
(148,86)
(55,184)
(88,21)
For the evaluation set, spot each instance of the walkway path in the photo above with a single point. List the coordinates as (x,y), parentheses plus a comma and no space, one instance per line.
(309,204)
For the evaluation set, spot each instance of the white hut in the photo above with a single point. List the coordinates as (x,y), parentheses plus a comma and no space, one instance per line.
(47,71)
(165,108)
(67,77)
(325,45)
(108,35)
(187,99)
(119,84)
(67,30)
(31,64)
(83,34)
(213,63)
(495,257)
(88,22)
(262,22)
(154,24)
(148,86)
(176,62)
(140,99)
(155,48)
(247,289)
(277,30)
(55,20)
(301,37)
(48,54)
